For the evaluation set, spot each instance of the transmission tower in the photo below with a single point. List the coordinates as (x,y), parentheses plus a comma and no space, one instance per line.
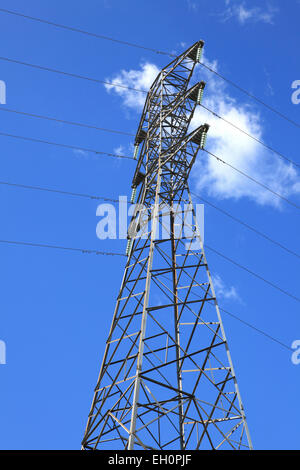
(167,379)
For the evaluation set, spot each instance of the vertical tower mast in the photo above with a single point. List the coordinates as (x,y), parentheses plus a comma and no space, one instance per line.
(167,379)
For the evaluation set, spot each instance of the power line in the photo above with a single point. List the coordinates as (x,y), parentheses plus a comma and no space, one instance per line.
(84,149)
(96,252)
(250,95)
(97,152)
(261,234)
(107,253)
(156,51)
(109,199)
(73,123)
(58,191)
(31,139)
(252,137)
(258,330)
(104,129)
(100,197)
(58,247)
(258,276)
(250,325)
(69,74)
(120,254)
(81,31)
(89,126)
(253,179)
(48,69)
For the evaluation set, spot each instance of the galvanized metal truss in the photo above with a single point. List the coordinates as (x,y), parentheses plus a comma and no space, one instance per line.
(167,379)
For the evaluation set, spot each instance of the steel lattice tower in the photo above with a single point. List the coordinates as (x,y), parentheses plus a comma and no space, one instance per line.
(167,379)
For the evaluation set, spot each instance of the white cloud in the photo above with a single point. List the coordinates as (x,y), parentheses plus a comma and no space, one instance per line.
(138,79)
(243,13)
(234,147)
(223,291)
(240,151)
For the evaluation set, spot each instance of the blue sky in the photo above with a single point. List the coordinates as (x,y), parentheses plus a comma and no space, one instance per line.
(57,306)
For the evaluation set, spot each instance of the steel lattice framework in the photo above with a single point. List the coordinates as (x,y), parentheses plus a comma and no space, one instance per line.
(167,379)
